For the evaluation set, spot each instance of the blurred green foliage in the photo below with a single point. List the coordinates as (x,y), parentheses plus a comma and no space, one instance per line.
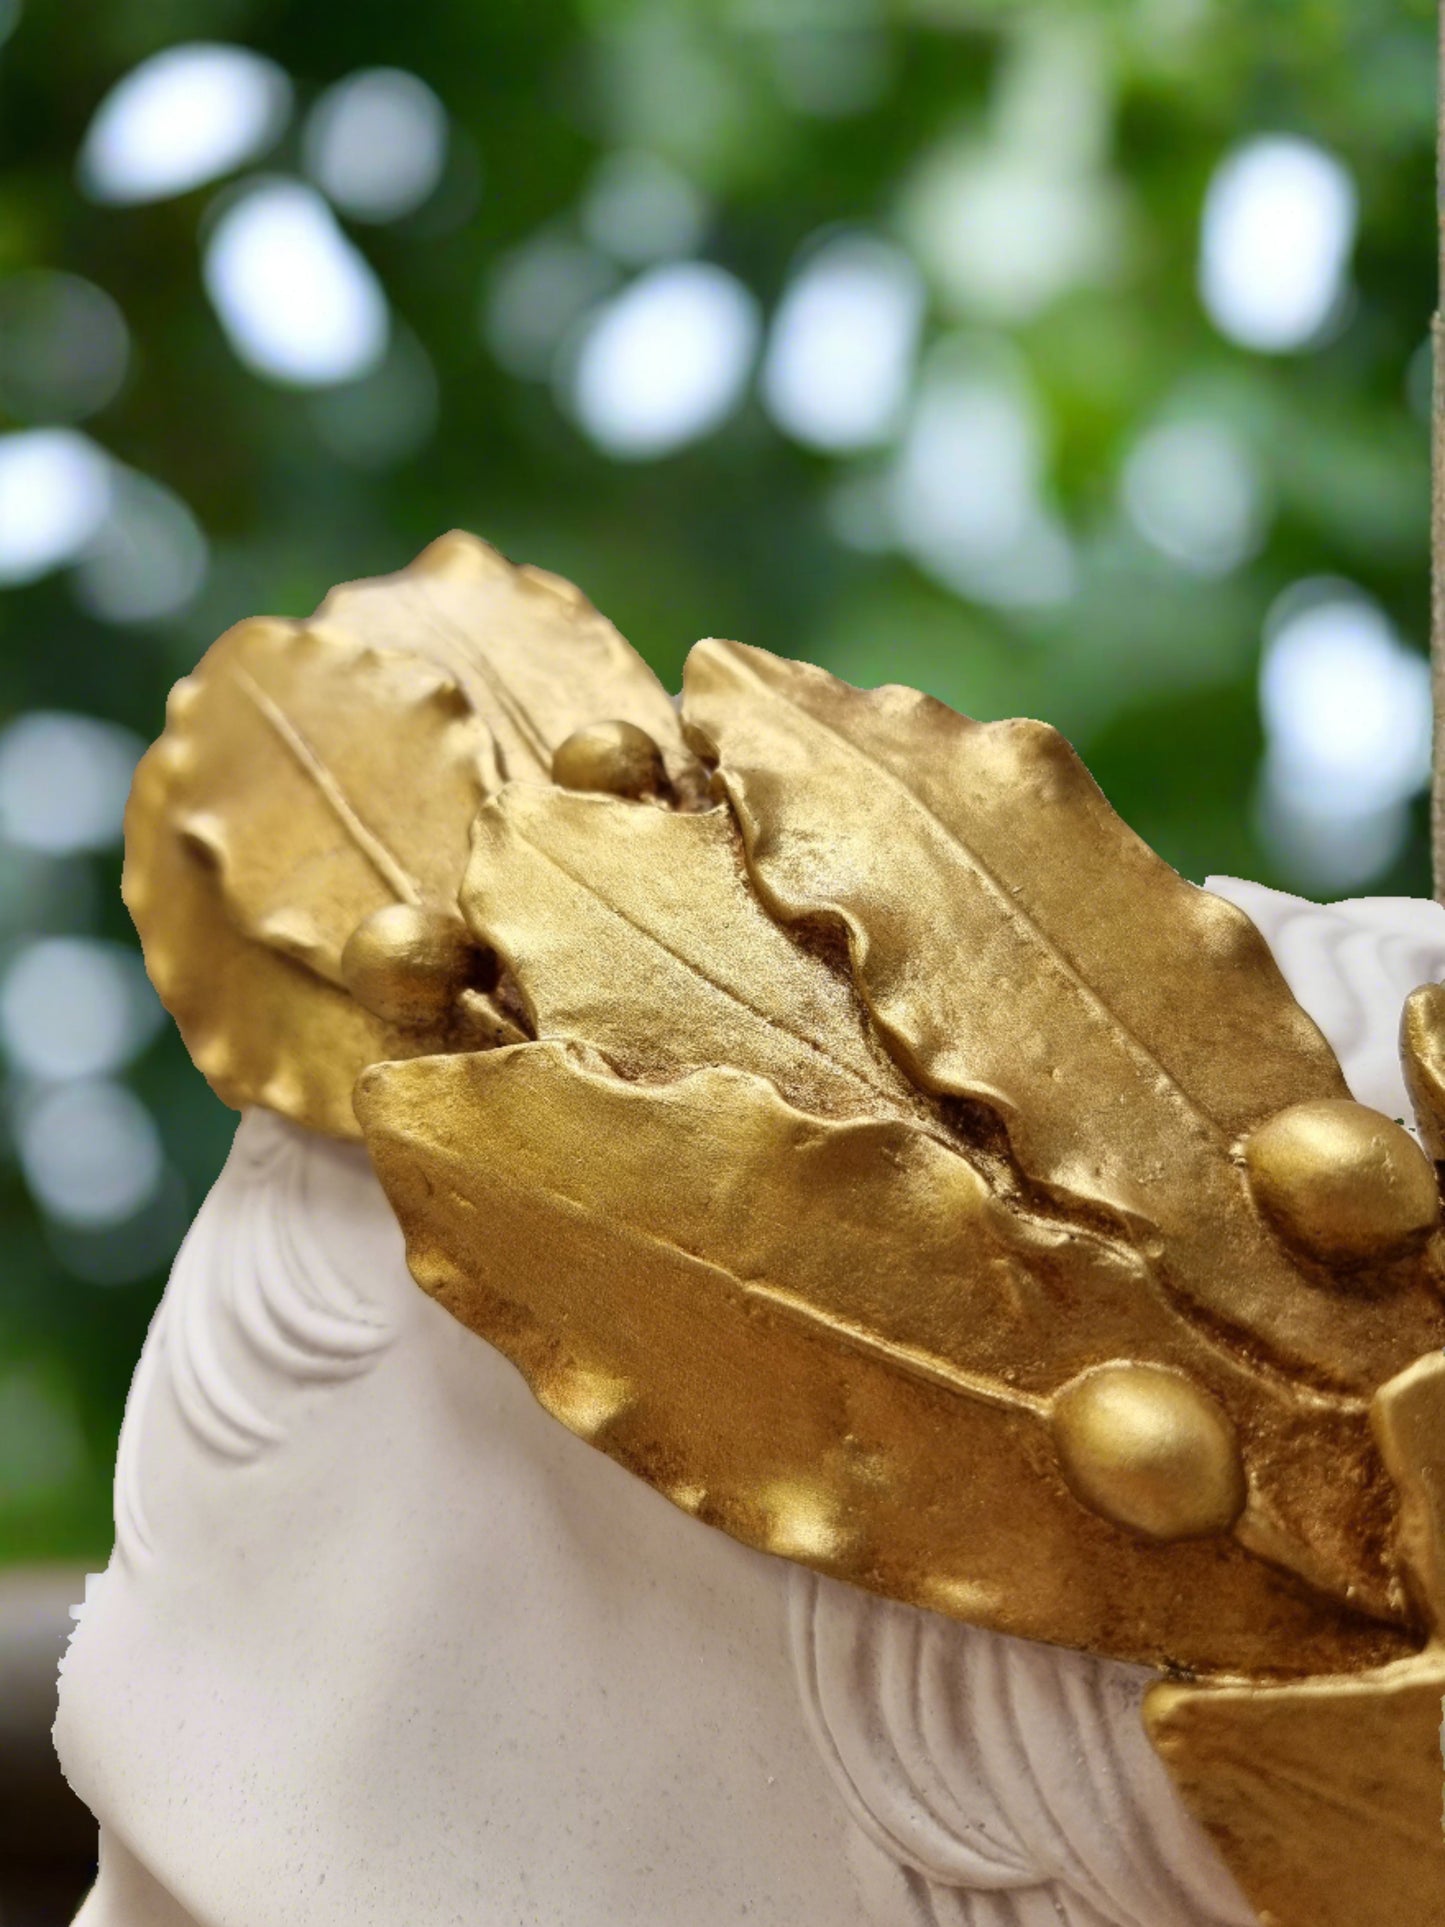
(788,116)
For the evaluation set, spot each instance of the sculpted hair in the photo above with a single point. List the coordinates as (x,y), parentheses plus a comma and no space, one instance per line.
(257,1308)
(994,1782)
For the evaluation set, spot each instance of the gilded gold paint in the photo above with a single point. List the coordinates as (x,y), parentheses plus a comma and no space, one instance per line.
(850,1127)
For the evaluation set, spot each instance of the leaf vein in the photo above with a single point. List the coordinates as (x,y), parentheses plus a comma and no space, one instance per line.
(468,657)
(1013,912)
(390,870)
(914,1360)
(728,991)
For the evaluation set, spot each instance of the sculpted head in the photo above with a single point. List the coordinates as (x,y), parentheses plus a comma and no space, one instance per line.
(814,1434)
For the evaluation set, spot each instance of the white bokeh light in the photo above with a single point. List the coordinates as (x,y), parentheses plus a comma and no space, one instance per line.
(665,362)
(535,295)
(831,61)
(184,117)
(1329,852)
(1009,217)
(1193,491)
(90,1152)
(638,209)
(75,1007)
(63,781)
(55,491)
(1348,722)
(1345,704)
(298,302)
(1275,242)
(376,143)
(64,346)
(967,489)
(842,345)
(138,1246)
(148,558)
(1005,233)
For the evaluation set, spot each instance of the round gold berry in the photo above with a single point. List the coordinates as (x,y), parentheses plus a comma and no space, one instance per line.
(1343,1183)
(616,757)
(1148,1449)
(406,964)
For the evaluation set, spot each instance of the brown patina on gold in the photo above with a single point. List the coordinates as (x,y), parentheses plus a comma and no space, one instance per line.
(849,1126)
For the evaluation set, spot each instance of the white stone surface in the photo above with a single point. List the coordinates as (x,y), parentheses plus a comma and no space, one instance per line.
(380,1642)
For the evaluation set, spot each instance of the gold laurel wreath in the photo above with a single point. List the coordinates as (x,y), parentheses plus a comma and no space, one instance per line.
(849,1126)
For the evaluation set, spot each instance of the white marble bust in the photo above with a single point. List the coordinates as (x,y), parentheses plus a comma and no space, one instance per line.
(381,1643)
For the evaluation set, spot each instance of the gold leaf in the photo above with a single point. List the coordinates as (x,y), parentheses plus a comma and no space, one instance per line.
(260,1028)
(1422,1052)
(302,783)
(536,660)
(1324,1798)
(634,930)
(313,775)
(1018,946)
(1409,1419)
(323,780)
(824,1335)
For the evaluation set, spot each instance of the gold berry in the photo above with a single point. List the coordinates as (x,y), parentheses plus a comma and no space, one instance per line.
(1343,1183)
(406,964)
(616,757)
(1148,1449)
